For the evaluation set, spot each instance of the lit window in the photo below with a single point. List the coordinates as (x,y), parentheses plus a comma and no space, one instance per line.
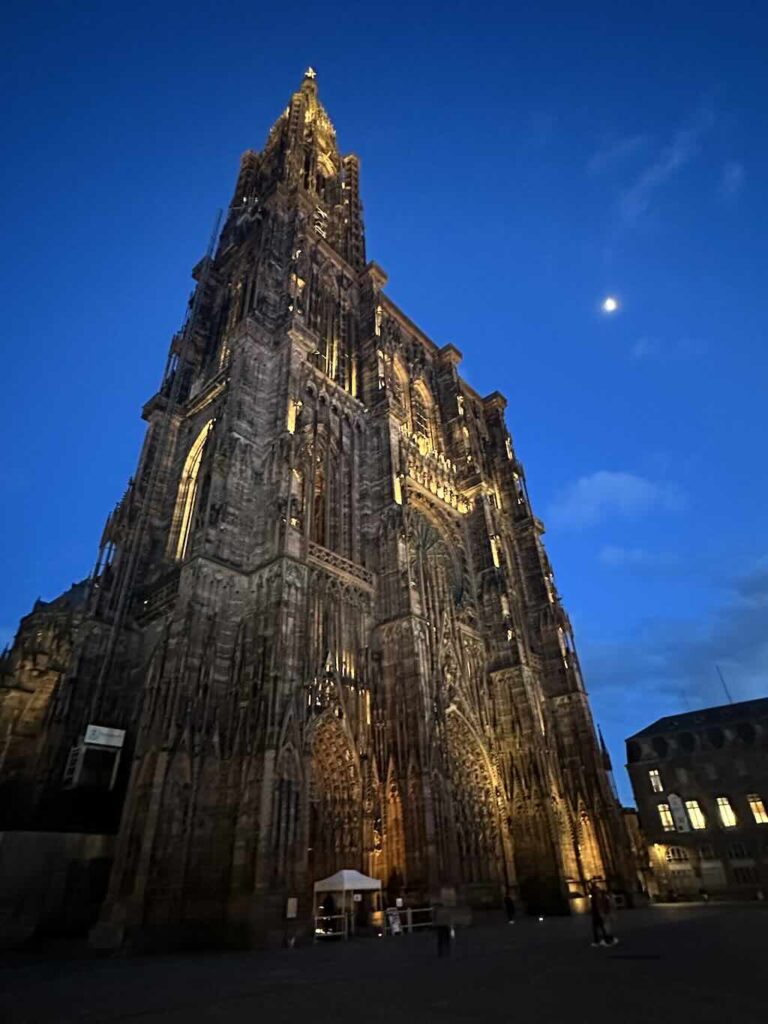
(727,817)
(667,821)
(655,778)
(695,816)
(757,807)
(677,854)
(187,493)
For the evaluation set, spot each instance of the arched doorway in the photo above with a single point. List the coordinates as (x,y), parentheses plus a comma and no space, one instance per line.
(476,820)
(335,825)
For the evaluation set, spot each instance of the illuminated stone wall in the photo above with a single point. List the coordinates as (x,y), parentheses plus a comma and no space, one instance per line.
(322,612)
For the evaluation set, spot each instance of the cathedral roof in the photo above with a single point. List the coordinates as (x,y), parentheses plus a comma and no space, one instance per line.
(71,599)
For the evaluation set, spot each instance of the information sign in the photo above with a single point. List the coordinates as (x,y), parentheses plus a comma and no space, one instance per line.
(102,736)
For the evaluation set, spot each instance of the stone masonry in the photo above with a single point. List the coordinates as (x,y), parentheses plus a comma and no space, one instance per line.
(322,619)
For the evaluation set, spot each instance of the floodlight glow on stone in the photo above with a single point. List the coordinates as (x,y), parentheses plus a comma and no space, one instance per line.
(610,305)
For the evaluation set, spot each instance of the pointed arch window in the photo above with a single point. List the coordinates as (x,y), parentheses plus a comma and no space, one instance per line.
(318,506)
(187,494)
(420,415)
(422,424)
(399,380)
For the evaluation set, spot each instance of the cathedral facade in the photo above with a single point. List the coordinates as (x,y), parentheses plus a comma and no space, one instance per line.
(322,630)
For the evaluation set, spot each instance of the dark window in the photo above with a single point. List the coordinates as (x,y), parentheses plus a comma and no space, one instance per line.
(744,875)
(661,746)
(746,733)
(687,741)
(97,768)
(707,851)
(738,851)
(634,752)
(716,736)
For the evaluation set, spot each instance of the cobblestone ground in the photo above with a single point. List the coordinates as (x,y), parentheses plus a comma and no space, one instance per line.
(674,963)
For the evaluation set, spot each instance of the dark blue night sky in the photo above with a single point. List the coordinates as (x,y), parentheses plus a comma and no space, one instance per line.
(520,163)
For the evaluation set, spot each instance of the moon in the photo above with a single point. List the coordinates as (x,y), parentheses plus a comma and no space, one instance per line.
(610,304)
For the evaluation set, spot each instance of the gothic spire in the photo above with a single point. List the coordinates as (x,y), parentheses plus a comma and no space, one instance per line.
(301,153)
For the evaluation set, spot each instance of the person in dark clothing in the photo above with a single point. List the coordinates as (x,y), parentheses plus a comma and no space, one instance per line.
(328,909)
(443,929)
(444,939)
(600,910)
(509,907)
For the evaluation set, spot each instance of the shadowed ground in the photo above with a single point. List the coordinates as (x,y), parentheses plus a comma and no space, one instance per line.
(701,963)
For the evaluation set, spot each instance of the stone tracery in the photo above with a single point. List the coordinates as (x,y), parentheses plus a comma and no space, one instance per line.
(335,800)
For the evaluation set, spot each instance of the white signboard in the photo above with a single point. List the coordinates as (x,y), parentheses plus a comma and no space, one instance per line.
(292,907)
(393,920)
(102,736)
(678,813)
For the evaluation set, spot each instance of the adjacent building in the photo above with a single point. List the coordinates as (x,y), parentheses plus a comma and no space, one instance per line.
(322,631)
(701,784)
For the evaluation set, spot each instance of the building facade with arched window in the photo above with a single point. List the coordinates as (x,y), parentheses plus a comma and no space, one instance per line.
(700,781)
(322,631)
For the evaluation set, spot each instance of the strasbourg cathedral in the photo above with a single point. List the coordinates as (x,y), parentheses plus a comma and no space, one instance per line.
(322,631)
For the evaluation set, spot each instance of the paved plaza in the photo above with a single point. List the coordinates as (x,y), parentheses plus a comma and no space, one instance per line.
(680,963)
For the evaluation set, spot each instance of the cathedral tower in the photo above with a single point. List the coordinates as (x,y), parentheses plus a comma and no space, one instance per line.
(322,631)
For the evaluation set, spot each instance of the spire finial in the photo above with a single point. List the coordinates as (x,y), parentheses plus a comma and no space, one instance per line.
(310,73)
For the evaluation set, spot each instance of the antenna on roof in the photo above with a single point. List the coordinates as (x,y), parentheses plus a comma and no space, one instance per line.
(722,680)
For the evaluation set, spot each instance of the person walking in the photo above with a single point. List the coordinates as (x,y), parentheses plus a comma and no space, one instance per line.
(600,909)
(608,913)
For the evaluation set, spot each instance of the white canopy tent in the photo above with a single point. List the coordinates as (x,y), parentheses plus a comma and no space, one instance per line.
(348,880)
(345,885)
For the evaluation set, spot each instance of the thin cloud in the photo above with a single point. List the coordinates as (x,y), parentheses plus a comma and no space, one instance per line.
(611,157)
(672,661)
(636,200)
(732,180)
(667,666)
(643,348)
(611,554)
(678,348)
(605,495)
(615,556)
